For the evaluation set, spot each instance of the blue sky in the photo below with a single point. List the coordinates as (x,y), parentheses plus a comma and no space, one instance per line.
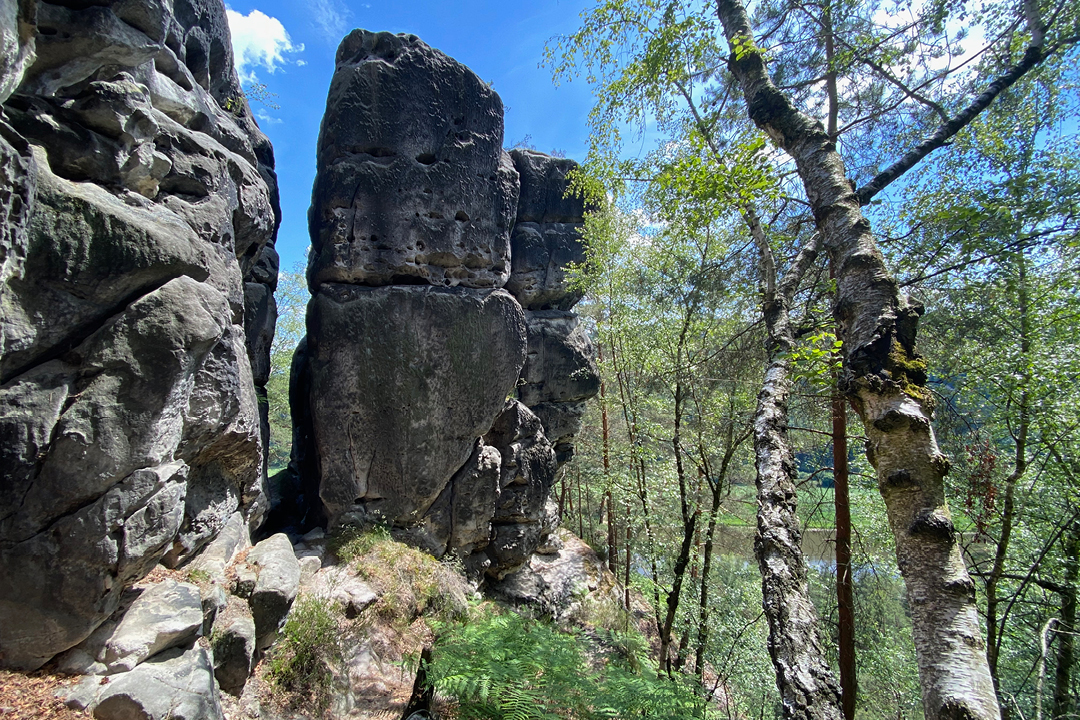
(289,46)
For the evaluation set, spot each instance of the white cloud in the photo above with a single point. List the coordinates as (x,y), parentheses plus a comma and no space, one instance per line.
(332,18)
(258,41)
(267,117)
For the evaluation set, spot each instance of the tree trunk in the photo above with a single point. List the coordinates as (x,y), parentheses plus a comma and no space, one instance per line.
(845,595)
(807,687)
(885,379)
(1064,700)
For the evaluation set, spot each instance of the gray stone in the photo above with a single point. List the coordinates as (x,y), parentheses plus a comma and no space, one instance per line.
(413,185)
(557,582)
(16,44)
(547,235)
(135,204)
(233,643)
(217,555)
(246,577)
(560,365)
(543,197)
(275,590)
(341,585)
(166,615)
(541,256)
(561,420)
(214,600)
(527,474)
(402,382)
(177,684)
(309,566)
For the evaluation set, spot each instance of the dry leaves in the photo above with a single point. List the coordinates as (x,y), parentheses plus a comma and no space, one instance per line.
(33,696)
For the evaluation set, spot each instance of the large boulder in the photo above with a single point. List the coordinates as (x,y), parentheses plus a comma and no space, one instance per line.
(413,184)
(560,366)
(164,616)
(278,580)
(402,380)
(139,196)
(177,684)
(547,235)
(527,474)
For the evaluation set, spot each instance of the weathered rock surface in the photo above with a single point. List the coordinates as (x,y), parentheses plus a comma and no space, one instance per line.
(560,366)
(233,643)
(413,185)
(134,207)
(547,234)
(555,583)
(276,586)
(402,382)
(341,585)
(527,473)
(166,615)
(177,684)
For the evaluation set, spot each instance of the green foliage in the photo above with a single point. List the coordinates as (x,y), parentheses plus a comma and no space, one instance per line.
(502,665)
(291,297)
(301,661)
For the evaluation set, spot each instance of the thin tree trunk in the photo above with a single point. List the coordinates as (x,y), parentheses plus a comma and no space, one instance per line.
(613,552)
(886,380)
(807,687)
(626,554)
(994,625)
(845,591)
(1064,700)
(676,589)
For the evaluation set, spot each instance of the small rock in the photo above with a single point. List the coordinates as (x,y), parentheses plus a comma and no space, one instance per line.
(213,602)
(246,577)
(233,642)
(309,565)
(168,614)
(276,587)
(341,585)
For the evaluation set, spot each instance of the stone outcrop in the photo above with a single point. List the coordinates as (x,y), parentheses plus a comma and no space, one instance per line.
(139,198)
(546,239)
(403,379)
(400,389)
(413,185)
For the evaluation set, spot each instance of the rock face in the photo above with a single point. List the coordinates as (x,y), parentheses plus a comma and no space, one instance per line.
(139,196)
(413,185)
(547,233)
(400,391)
(403,381)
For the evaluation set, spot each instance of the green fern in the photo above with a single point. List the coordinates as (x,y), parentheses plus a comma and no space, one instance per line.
(507,667)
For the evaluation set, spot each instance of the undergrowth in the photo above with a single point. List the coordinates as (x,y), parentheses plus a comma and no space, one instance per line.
(501,665)
(308,647)
(410,582)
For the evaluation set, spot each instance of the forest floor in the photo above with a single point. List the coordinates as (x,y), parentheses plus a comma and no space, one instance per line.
(32,696)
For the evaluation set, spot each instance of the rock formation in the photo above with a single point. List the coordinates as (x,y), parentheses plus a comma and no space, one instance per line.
(138,215)
(400,390)
(438,390)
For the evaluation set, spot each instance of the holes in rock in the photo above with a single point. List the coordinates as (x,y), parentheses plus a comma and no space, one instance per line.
(46,30)
(426,158)
(462,216)
(436,215)
(427,191)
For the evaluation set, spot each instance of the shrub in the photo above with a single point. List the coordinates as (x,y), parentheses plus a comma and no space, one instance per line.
(301,662)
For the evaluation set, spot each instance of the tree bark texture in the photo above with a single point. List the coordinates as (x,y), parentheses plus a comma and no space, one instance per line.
(885,379)
(807,687)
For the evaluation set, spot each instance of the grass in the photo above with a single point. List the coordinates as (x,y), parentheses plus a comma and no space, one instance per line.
(303,659)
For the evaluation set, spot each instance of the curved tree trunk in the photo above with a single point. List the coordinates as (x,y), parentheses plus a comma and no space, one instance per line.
(807,687)
(885,379)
